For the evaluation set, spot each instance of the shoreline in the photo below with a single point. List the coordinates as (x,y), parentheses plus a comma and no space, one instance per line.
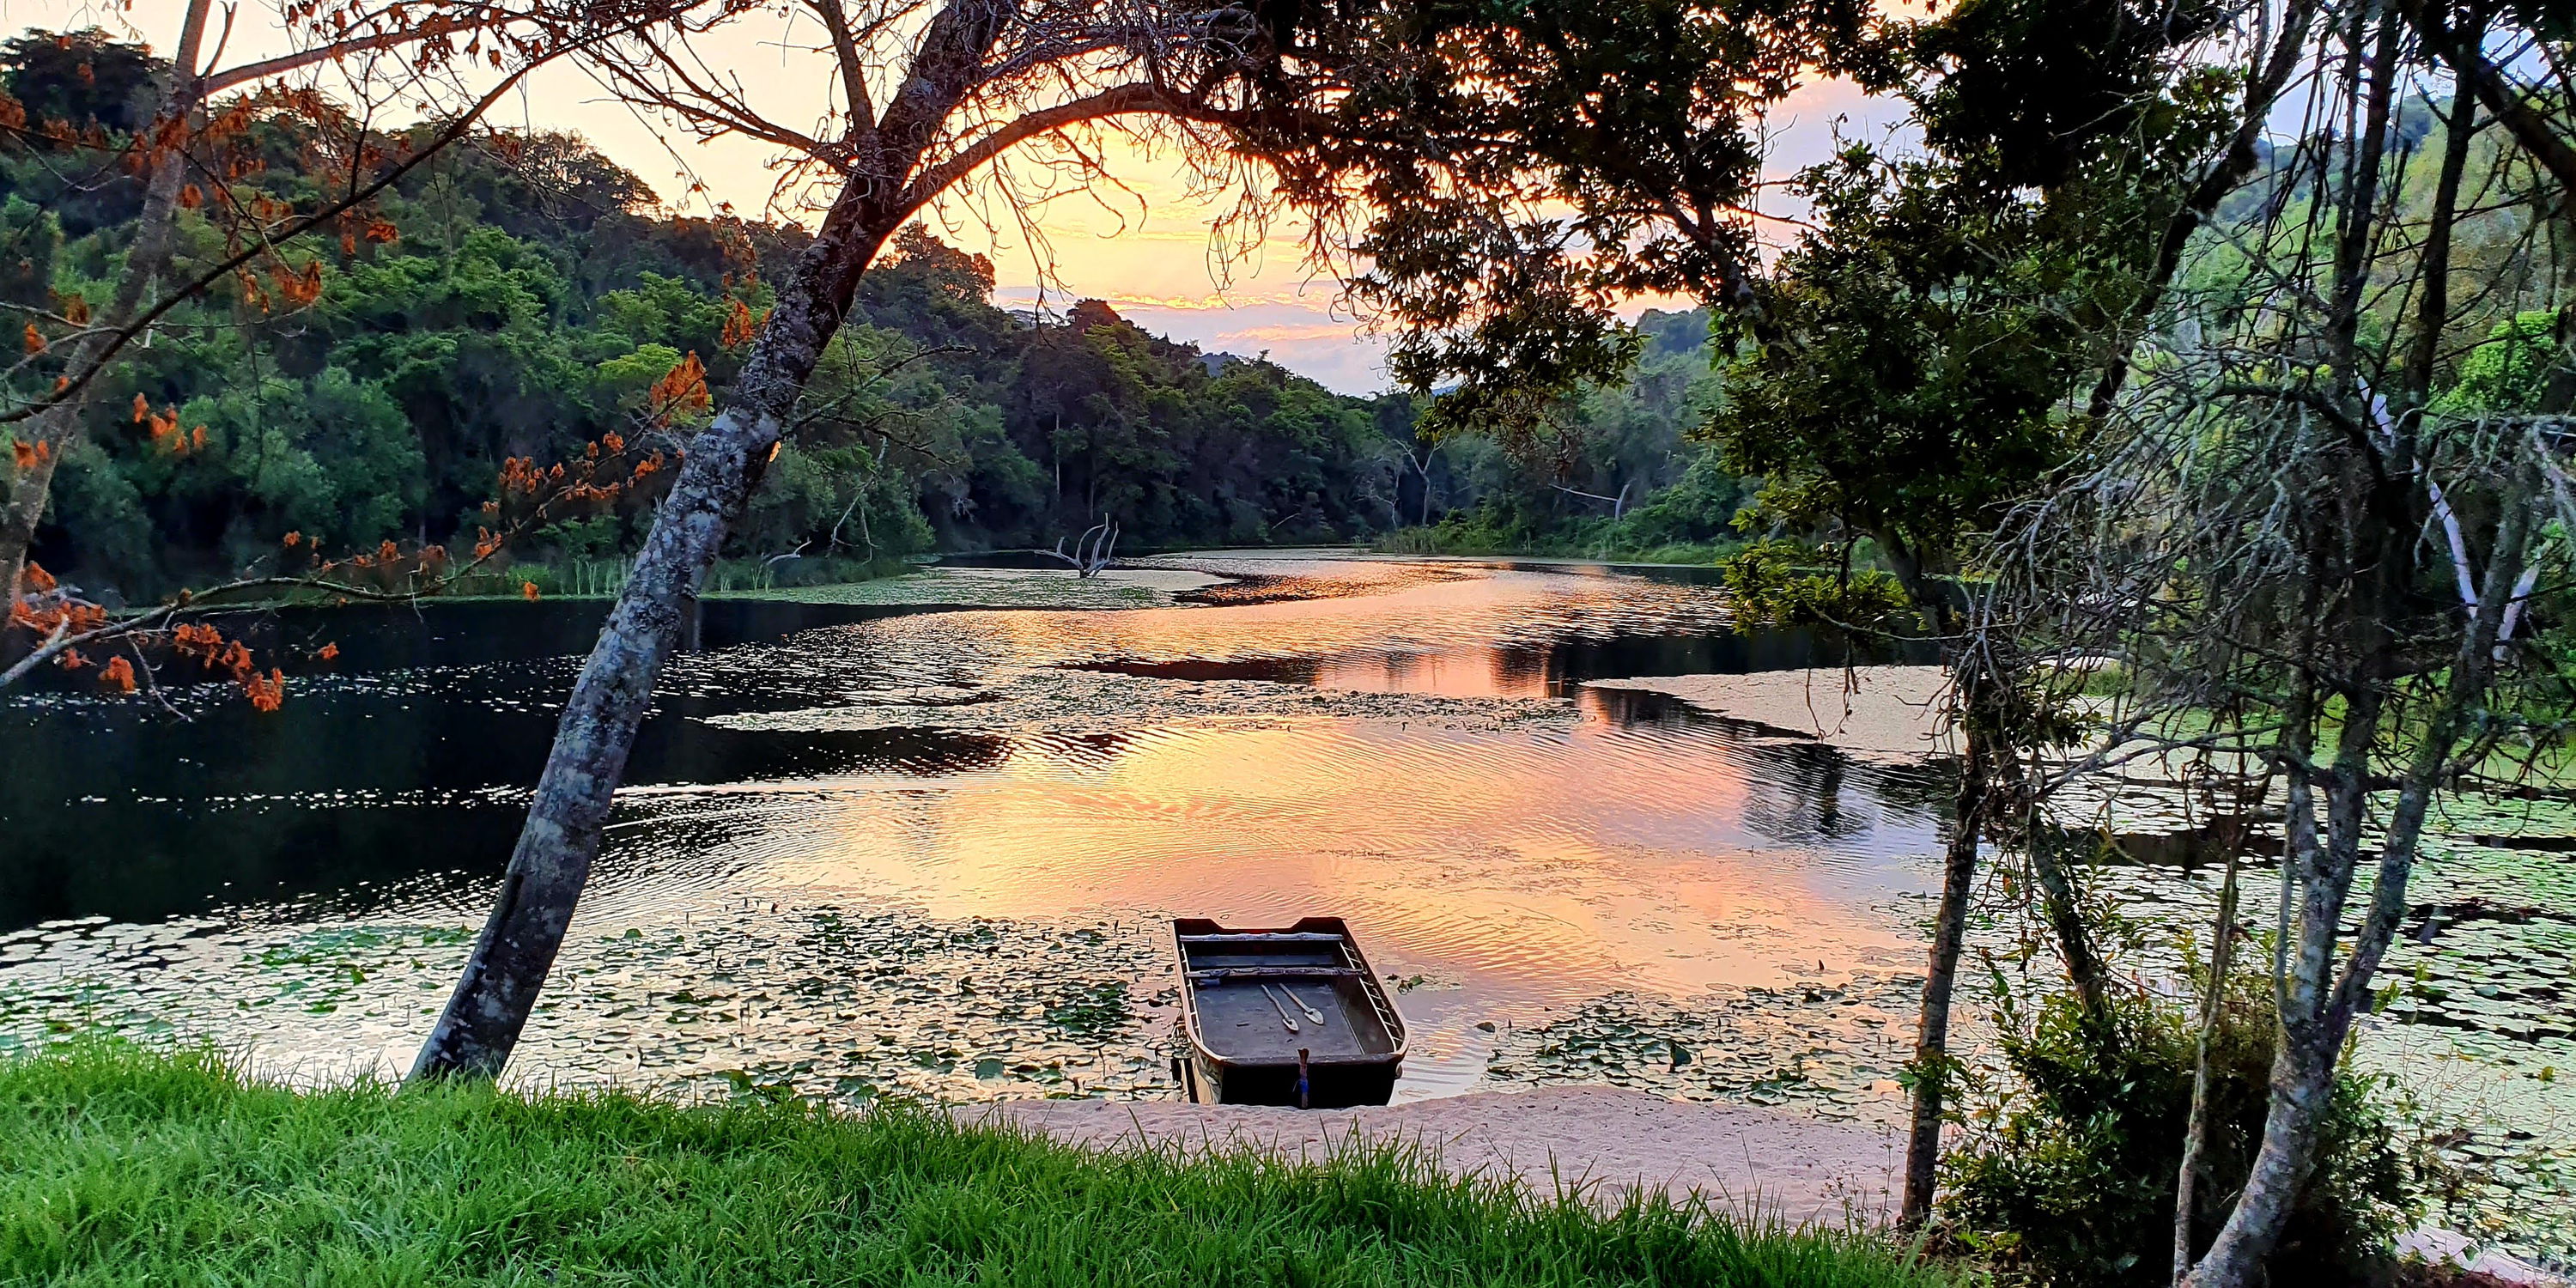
(1603,1143)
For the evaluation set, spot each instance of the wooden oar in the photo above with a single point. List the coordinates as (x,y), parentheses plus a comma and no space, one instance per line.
(1311,1012)
(1283,1011)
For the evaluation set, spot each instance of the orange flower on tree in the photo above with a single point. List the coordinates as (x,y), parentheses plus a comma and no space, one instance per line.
(118,674)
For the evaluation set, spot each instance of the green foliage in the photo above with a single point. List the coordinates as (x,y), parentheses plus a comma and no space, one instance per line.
(30,238)
(121,1167)
(519,300)
(2033,89)
(1636,437)
(1779,582)
(2070,1168)
(2509,371)
(1637,125)
(1920,343)
(81,78)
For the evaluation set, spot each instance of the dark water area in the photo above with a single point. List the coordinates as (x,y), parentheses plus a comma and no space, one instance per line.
(476,632)
(403,768)
(406,763)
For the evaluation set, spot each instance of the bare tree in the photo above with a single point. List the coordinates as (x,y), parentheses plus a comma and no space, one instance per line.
(2313,544)
(929,99)
(1092,551)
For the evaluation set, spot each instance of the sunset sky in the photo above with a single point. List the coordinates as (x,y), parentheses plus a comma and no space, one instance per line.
(1147,250)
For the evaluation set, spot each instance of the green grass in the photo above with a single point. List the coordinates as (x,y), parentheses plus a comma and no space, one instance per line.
(121,1166)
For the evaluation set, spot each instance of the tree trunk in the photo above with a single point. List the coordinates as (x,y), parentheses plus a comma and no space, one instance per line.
(2318,1005)
(1930,1069)
(2302,1086)
(155,238)
(22,509)
(510,961)
(2195,1136)
(2065,911)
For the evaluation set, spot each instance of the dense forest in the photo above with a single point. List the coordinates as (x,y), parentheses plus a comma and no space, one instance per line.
(520,296)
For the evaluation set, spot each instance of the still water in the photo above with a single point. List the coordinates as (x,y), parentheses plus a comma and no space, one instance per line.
(867,850)
(872,849)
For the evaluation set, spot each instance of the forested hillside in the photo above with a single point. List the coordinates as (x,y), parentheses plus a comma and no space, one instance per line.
(519,296)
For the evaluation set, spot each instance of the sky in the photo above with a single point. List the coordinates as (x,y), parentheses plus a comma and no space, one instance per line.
(1144,246)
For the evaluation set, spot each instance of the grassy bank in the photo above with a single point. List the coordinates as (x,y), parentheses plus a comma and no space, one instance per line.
(118,1166)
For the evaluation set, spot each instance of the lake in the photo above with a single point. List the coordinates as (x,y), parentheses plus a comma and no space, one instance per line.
(879,847)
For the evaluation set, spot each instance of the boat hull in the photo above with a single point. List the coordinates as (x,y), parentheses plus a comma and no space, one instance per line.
(1250,1006)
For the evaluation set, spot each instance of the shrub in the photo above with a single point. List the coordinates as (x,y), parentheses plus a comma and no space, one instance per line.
(2069,1169)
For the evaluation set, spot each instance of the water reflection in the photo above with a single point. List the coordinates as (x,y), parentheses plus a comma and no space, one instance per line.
(1423,759)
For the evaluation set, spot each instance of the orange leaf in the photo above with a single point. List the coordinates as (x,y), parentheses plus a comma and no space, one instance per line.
(682,389)
(528,591)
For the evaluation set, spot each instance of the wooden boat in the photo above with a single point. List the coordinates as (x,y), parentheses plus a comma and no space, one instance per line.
(1292,1016)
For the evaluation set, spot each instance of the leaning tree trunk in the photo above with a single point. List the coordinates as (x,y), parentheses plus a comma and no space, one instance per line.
(1931,1067)
(722,464)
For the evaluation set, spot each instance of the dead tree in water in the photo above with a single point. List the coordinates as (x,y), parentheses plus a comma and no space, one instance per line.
(1092,552)
(926,98)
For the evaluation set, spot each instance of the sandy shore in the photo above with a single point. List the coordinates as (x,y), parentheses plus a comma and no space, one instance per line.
(1880,713)
(1603,1139)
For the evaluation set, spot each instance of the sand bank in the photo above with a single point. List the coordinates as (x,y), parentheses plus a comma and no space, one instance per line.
(1881,713)
(1603,1139)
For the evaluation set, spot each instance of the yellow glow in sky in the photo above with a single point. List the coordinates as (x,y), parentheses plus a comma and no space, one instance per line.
(1146,247)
